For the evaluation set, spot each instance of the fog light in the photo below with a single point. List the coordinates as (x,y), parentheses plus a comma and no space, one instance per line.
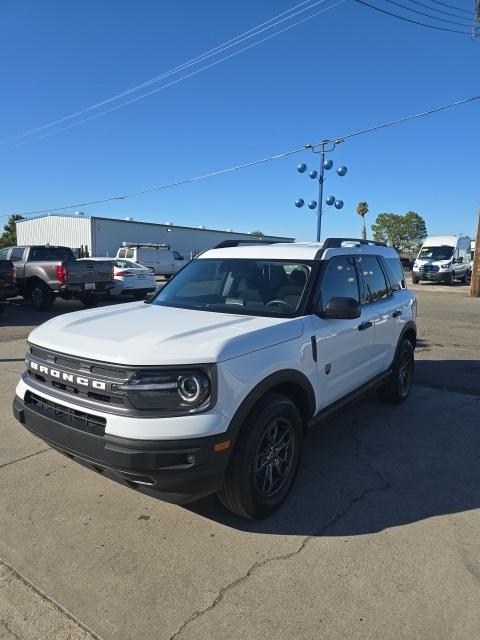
(190,459)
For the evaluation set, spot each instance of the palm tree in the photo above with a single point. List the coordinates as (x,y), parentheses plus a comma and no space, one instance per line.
(362,210)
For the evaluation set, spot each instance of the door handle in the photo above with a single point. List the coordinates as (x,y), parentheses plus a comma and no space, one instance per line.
(365,325)
(397,313)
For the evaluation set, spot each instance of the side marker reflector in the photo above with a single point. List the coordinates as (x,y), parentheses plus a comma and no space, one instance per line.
(221,446)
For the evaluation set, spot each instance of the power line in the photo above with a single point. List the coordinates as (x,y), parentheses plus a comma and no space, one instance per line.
(246,35)
(447,13)
(417,22)
(451,6)
(428,15)
(270,158)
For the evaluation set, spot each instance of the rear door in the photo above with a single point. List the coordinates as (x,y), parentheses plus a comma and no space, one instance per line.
(381,308)
(344,347)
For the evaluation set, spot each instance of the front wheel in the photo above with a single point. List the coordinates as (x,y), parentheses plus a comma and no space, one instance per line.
(415,280)
(451,281)
(399,385)
(265,460)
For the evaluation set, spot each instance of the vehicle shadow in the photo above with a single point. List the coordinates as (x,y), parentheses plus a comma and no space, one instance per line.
(375,467)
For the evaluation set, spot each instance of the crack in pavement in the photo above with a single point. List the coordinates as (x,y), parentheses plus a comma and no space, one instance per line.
(50,600)
(320,531)
(31,455)
(10,632)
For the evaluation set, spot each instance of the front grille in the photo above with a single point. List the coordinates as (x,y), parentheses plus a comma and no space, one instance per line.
(110,376)
(425,268)
(70,417)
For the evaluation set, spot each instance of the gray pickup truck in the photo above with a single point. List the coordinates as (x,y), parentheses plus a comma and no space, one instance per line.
(45,272)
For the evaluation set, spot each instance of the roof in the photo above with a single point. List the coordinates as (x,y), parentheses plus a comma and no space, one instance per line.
(305,251)
(155,224)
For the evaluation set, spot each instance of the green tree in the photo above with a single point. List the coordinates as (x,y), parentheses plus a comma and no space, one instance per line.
(9,236)
(362,210)
(404,233)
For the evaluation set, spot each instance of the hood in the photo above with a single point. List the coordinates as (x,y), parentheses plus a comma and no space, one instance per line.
(147,334)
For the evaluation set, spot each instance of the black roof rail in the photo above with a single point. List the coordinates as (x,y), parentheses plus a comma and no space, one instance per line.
(336,243)
(226,244)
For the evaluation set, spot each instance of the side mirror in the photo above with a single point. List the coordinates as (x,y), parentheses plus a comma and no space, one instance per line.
(460,259)
(342,309)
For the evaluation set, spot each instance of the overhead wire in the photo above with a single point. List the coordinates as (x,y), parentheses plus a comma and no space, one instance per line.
(246,35)
(264,160)
(428,15)
(451,6)
(442,11)
(405,19)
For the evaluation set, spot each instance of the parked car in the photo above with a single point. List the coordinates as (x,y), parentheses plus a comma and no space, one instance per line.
(210,386)
(44,272)
(8,288)
(443,259)
(160,258)
(130,278)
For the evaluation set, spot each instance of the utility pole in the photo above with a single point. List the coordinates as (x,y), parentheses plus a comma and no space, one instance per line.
(326,146)
(475,282)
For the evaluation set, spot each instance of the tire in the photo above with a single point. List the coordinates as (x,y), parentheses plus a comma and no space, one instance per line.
(41,296)
(463,279)
(275,419)
(451,280)
(139,296)
(398,387)
(89,300)
(2,308)
(415,280)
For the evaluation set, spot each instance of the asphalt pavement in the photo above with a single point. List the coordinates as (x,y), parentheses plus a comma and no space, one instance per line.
(379,538)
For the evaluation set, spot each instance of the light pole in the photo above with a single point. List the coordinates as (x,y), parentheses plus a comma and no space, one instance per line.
(325,165)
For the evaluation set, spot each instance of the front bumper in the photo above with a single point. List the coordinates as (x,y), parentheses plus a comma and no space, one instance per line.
(433,276)
(177,471)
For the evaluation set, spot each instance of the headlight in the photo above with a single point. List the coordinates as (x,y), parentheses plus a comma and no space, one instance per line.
(445,266)
(173,391)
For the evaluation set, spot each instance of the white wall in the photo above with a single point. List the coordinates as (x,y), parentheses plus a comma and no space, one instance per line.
(67,231)
(110,234)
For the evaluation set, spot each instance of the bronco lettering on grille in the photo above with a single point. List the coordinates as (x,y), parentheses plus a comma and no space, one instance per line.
(68,377)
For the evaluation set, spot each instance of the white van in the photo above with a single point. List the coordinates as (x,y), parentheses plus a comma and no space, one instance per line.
(159,258)
(443,259)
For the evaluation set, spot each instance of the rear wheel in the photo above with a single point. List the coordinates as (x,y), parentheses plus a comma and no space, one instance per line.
(88,299)
(41,296)
(415,280)
(139,295)
(265,460)
(399,385)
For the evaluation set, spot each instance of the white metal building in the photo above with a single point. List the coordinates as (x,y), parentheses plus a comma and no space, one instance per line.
(103,236)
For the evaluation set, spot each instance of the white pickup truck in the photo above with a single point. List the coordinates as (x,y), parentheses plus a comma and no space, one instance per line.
(210,386)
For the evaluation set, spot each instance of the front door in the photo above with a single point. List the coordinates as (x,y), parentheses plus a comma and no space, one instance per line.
(344,347)
(381,307)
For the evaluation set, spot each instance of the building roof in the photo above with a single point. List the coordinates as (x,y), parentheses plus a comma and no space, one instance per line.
(155,224)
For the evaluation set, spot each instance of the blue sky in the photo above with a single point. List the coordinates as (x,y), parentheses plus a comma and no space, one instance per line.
(344,70)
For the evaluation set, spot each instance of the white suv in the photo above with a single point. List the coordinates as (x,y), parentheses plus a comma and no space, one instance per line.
(211,385)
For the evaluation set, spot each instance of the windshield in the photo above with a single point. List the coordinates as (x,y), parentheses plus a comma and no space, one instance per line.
(436,253)
(251,287)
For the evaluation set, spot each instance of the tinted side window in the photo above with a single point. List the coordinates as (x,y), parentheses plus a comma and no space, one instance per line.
(339,281)
(374,283)
(129,253)
(17,254)
(121,253)
(4,254)
(395,273)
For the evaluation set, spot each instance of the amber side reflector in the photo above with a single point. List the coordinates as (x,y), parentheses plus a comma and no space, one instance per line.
(221,446)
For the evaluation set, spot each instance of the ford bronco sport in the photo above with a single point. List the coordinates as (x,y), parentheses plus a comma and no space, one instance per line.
(210,386)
